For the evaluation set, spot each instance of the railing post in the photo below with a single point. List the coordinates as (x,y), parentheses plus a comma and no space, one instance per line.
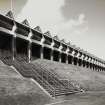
(42,48)
(42,77)
(68,84)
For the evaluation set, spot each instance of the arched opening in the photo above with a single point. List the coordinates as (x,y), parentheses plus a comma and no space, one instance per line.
(56,55)
(70,59)
(22,49)
(47,53)
(35,51)
(63,58)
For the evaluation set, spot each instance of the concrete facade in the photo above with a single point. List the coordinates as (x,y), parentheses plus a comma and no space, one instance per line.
(20,38)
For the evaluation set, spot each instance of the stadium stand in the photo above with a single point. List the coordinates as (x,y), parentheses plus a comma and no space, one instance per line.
(81,77)
(15,89)
(58,67)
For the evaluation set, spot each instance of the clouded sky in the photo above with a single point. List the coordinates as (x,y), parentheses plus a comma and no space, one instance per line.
(82,22)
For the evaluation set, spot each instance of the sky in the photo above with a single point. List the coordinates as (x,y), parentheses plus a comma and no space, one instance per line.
(82,22)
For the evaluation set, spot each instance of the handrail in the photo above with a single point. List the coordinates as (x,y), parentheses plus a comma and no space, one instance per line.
(44,83)
(50,73)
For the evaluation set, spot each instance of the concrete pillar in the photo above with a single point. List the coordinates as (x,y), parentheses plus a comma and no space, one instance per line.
(14,47)
(60,57)
(73,55)
(42,47)
(52,45)
(41,52)
(90,59)
(95,64)
(67,51)
(82,59)
(29,52)
(77,56)
(14,40)
(51,54)
(66,58)
(79,59)
(60,51)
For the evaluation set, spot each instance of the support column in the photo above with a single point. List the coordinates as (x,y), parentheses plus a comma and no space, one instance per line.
(73,55)
(60,57)
(42,47)
(52,45)
(66,58)
(29,52)
(60,51)
(14,47)
(14,40)
(78,57)
(51,54)
(82,59)
(41,51)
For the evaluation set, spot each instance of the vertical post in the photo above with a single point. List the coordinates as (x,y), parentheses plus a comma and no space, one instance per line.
(51,55)
(60,57)
(71,58)
(67,59)
(11,5)
(41,51)
(29,52)
(14,47)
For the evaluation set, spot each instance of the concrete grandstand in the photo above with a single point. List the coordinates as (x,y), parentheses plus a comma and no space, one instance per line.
(58,67)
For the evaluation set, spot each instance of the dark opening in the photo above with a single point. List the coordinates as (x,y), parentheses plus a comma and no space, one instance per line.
(63,58)
(75,61)
(22,48)
(36,51)
(80,62)
(57,44)
(36,35)
(22,29)
(87,64)
(5,47)
(96,67)
(47,40)
(55,55)
(70,59)
(90,65)
(6,22)
(93,66)
(5,41)
(47,53)
(84,63)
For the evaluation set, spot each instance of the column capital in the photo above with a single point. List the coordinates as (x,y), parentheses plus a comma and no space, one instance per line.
(30,34)
(13,31)
(83,56)
(52,44)
(67,50)
(42,40)
(60,48)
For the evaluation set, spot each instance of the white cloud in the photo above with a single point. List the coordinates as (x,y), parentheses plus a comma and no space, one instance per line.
(73,26)
(45,13)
